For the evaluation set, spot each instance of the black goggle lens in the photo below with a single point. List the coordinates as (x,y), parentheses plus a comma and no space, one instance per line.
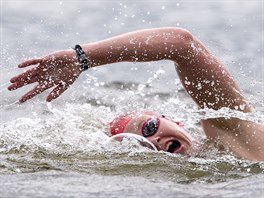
(150,127)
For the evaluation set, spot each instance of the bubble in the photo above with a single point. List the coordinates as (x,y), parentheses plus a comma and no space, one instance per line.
(17,170)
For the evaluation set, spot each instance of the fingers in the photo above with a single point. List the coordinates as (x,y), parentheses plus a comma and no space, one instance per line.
(37,90)
(25,76)
(29,73)
(19,84)
(33,61)
(57,91)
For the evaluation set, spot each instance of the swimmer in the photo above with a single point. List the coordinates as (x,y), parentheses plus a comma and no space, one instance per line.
(204,77)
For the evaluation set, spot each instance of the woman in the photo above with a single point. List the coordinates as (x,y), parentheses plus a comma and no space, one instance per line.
(204,77)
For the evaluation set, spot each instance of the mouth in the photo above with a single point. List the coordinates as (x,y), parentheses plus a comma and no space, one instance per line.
(174,146)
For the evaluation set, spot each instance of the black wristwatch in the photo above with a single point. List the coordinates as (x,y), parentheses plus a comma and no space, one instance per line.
(82,58)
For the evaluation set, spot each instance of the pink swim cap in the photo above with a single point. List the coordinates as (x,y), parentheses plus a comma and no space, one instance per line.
(119,123)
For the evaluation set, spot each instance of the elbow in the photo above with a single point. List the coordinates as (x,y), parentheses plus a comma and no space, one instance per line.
(176,35)
(180,44)
(183,37)
(185,34)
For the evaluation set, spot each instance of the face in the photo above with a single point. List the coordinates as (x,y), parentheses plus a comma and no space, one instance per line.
(165,134)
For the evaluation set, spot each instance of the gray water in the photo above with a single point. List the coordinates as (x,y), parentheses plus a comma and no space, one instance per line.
(62,149)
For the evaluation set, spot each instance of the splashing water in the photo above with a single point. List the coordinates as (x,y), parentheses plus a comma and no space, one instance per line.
(78,133)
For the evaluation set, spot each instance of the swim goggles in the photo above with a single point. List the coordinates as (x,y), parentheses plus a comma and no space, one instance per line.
(150,127)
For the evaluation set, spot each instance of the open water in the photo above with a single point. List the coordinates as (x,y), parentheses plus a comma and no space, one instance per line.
(62,149)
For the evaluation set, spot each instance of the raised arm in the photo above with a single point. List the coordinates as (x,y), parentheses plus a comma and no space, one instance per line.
(60,69)
(206,80)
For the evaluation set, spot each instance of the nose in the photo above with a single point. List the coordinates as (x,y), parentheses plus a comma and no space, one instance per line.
(155,140)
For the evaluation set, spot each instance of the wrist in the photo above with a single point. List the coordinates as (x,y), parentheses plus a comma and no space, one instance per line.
(82,58)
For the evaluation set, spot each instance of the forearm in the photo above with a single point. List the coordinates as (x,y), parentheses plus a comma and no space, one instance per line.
(145,45)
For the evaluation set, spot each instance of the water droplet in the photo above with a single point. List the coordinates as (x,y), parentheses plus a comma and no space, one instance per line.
(187,82)
(242,107)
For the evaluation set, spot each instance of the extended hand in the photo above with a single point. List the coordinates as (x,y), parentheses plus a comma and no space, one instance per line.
(59,69)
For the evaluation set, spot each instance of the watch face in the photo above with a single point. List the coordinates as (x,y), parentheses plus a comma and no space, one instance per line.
(82,57)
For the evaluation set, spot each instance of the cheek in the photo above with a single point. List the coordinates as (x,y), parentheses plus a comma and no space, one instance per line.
(165,131)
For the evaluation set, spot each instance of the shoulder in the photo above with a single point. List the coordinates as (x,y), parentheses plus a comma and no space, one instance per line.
(244,138)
